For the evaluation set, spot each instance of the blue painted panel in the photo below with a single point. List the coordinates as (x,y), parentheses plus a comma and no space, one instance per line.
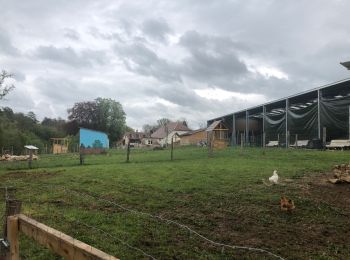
(93,139)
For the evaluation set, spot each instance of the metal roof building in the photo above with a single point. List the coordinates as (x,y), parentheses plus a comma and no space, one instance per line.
(321,113)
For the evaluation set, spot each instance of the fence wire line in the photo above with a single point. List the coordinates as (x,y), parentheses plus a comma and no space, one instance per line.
(167,221)
(100,230)
(115,238)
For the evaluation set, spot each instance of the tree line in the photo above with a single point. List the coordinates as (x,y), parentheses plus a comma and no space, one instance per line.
(19,129)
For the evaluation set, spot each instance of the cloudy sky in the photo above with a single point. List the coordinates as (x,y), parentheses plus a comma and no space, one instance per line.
(176,59)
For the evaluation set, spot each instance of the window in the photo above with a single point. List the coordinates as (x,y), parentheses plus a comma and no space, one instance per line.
(149,141)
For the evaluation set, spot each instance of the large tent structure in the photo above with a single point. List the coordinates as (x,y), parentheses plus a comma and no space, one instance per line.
(321,114)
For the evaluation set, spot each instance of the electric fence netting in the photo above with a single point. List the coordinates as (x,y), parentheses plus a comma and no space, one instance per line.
(121,230)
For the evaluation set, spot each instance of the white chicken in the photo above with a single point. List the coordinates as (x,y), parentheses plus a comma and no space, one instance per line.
(274,178)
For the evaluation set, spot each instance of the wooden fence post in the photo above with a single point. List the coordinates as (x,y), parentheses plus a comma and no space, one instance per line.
(12,238)
(172,147)
(30,159)
(128,153)
(13,207)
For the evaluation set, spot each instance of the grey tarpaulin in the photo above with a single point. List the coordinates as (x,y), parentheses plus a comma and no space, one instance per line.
(303,122)
(335,116)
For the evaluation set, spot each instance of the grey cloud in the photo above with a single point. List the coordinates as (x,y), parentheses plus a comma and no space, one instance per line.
(157,29)
(69,56)
(71,34)
(18,75)
(6,46)
(140,59)
(218,38)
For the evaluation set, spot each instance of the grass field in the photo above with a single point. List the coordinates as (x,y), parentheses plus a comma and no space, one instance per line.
(222,198)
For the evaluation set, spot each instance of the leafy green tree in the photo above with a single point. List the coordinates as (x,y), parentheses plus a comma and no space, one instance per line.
(102,114)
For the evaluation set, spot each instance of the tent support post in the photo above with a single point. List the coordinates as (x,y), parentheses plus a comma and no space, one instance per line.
(319,93)
(234,130)
(247,126)
(264,118)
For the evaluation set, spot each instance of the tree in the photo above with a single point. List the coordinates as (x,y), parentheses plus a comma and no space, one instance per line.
(149,129)
(84,113)
(32,116)
(163,122)
(5,89)
(102,114)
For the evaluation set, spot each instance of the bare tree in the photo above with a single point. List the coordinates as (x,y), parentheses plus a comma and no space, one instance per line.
(5,89)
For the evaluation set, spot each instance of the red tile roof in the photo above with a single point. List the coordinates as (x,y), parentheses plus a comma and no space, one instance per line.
(161,132)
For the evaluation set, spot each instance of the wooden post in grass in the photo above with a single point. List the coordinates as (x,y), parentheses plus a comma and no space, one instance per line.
(296,140)
(128,153)
(210,143)
(172,148)
(13,207)
(12,238)
(30,160)
(81,155)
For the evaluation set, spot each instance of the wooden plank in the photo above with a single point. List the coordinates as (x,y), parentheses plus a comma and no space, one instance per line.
(12,236)
(59,242)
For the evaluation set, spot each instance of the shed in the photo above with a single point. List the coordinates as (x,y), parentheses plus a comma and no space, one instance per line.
(217,134)
(60,145)
(195,137)
(92,141)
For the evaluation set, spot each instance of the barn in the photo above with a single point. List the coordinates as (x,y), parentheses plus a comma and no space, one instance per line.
(311,118)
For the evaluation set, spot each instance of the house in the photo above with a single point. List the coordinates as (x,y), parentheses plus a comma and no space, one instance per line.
(164,134)
(137,139)
(195,137)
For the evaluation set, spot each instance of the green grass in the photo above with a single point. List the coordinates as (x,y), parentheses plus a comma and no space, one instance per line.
(222,198)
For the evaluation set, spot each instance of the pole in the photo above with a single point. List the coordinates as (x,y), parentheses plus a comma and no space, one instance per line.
(349,122)
(30,158)
(319,94)
(264,139)
(296,140)
(172,147)
(324,137)
(81,156)
(234,142)
(264,119)
(247,126)
(128,153)
(287,108)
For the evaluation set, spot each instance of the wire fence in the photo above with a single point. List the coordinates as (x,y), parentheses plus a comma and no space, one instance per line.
(75,197)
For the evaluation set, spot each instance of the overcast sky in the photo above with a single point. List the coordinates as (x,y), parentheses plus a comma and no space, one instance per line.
(176,59)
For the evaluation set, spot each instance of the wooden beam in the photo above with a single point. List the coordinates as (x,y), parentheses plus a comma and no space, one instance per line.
(12,236)
(59,242)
